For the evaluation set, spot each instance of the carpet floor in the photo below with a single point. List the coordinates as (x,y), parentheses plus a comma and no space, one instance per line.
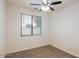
(41,52)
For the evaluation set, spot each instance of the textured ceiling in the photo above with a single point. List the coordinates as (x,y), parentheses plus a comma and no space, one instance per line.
(26,3)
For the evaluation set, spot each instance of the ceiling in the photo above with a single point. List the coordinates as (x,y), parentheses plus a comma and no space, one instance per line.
(25,3)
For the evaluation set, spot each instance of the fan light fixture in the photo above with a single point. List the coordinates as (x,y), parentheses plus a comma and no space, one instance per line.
(46,5)
(45,8)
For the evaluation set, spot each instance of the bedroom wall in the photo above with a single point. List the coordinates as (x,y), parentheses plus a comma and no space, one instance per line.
(2,27)
(14,41)
(65,29)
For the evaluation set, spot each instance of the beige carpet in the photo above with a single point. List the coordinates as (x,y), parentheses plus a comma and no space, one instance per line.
(42,52)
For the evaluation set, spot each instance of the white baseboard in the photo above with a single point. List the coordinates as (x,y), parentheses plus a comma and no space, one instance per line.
(66,51)
(26,49)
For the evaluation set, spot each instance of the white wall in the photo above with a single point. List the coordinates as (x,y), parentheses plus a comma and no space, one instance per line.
(14,41)
(65,29)
(2,27)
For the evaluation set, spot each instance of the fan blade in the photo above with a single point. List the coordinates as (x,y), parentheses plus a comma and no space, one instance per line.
(37,9)
(55,3)
(35,4)
(52,9)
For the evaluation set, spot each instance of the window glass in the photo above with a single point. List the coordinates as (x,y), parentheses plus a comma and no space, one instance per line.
(26,25)
(31,25)
(36,25)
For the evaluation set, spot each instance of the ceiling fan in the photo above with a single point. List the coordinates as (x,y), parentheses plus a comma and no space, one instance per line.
(45,5)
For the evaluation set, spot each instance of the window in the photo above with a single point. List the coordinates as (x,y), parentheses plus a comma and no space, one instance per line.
(30,25)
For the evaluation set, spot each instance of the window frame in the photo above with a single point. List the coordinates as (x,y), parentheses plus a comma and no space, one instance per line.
(31,26)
